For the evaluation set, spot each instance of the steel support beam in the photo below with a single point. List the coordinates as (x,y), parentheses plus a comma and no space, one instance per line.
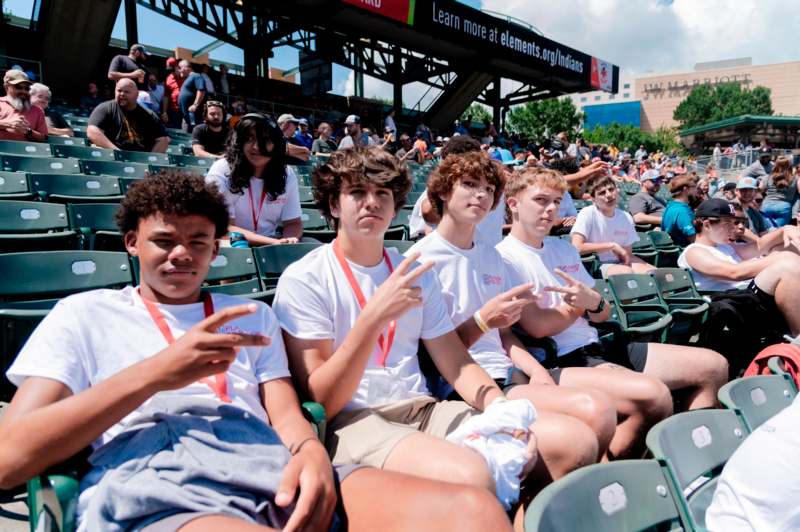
(131,23)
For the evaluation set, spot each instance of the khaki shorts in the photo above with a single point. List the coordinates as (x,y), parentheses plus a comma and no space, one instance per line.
(366,436)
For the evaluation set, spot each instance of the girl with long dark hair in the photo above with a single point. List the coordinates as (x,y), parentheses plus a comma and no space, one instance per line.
(260,190)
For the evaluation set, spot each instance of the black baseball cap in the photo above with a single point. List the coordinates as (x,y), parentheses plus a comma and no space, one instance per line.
(715,208)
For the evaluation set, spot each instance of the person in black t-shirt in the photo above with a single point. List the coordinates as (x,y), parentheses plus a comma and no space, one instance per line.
(130,66)
(208,138)
(122,124)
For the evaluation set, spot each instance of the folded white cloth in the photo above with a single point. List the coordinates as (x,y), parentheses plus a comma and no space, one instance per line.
(495,434)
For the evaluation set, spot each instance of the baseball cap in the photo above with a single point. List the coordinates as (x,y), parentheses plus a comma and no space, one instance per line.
(352,119)
(171,62)
(746,182)
(139,48)
(715,208)
(286,117)
(15,77)
(302,122)
(651,175)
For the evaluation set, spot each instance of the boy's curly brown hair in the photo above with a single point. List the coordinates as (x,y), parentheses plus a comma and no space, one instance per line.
(359,166)
(174,193)
(458,166)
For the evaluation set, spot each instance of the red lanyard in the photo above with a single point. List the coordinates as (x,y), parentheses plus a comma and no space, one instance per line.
(256,215)
(219,382)
(385,345)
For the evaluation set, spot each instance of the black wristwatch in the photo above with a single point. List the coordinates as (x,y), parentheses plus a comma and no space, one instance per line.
(29,133)
(600,306)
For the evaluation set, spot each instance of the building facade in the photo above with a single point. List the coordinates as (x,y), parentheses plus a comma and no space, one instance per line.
(660,94)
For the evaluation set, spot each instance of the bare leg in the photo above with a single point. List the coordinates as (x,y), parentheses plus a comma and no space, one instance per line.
(703,371)
(640,400)
(640,266)
(782,280)
(214,523)
(564,444)
(433,458)
(592,407)
(616,269)
(390,502)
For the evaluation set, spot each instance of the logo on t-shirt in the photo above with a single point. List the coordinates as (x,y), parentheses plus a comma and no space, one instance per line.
(233,329)
(620,232)
(492,279)
(569,268)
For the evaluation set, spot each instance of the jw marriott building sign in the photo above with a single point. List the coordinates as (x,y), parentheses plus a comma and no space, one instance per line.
(680,88)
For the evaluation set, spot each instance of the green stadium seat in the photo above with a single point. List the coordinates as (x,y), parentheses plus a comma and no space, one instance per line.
(126,182)
(625,495)
(194,170)
(646,315)
(83,152)
(643,248)
(234,272)
(313,219)
(79,121)
(80,132)
(75,188)
(412,198)
(668,251)
(176,149)
(27,149)
(400,245)
(696,445)
(144,157)
(273,260)
(97,225)
(687,308)
(114,168)
(15,186)
(191,160)
(33,282)
(758,398)
(34,226)
(54,140)
(419,187)
(307,197)
(592,264)
(40,165)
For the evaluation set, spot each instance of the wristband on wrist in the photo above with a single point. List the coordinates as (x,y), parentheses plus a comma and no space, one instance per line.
(299,446)
(482,325)
(600,306)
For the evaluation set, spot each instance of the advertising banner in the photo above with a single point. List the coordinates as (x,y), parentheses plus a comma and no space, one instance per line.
(399,10)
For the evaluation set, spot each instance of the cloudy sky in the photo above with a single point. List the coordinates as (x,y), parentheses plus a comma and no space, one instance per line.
(641,36)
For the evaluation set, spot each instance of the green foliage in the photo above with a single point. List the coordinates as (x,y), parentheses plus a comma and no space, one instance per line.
(629,136)
(478,113)
(543,119)
(708,103)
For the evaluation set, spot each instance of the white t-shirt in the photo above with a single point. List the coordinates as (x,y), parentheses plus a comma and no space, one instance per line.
(759,489)
(567,207)
(284,207)
(597,227)
(527,264)
(707,283)
(416,223)
(91,336)
(490,230)
(314,301)
(470,278)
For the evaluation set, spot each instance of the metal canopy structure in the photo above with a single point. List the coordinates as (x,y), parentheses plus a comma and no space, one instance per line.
(440,43)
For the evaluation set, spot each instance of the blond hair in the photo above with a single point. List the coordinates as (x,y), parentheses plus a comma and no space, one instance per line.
(542,177)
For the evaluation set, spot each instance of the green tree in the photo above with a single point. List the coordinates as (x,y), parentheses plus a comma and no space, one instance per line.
(629,136)
(543,119)
(706,103)
(478,113)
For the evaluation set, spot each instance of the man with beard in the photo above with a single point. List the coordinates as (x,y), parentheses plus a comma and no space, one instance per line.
(678,218)
(122,124)
(208,138)
(645,206)
(130,66)
(19,119)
